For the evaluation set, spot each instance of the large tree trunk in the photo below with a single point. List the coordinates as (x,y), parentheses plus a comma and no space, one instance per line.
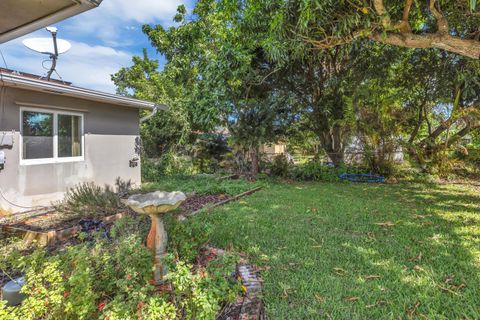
(333,144)
(254,160)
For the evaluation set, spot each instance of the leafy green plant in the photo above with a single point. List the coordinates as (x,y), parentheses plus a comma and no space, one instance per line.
(316,171)
(280,166)
(111,280)
(168,164)
(186,238)
(200,294)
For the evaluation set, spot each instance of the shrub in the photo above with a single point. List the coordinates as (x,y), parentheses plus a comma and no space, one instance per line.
(88,199)
(168,164)
(187,238)
(280,166)
(316,171)
(111,280)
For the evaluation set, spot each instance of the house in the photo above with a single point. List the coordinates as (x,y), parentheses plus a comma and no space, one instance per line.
(54,135)
(273,149)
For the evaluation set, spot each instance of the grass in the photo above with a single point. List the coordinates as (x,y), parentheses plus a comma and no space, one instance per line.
(357,251)
(200,185)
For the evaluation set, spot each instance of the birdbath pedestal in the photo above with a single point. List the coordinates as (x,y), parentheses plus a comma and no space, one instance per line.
(155,204)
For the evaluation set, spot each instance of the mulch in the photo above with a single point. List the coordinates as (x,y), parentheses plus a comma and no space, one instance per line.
(198,201)
(55,220)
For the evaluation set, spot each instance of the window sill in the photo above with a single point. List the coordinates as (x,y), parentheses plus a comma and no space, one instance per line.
(34,162)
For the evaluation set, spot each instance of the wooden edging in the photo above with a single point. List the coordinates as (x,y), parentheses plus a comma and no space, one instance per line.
(27,214)
(221,203)
(51,237)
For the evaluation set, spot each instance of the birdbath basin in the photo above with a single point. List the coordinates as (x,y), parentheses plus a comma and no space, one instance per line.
(155,204)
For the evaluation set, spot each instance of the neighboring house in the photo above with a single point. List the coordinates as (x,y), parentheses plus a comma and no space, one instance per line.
(54,136)
(19,17)
(354,153)
(271,150)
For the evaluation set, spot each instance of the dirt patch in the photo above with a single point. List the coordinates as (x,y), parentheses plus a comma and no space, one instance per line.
(198,201)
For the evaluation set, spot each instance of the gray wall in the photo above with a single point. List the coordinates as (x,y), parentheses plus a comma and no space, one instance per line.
(111,133)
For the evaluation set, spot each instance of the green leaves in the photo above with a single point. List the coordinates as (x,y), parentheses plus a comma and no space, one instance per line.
(473,5)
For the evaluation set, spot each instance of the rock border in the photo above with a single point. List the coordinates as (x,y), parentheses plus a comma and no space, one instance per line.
(252,304)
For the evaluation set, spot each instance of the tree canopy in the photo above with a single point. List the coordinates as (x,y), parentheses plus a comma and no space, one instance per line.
(450,25)
(387,74)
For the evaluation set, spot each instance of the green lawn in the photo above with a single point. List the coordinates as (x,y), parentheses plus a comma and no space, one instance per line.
(326,254)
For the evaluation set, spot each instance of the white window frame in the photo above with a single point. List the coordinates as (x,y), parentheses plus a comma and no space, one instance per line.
(56,158)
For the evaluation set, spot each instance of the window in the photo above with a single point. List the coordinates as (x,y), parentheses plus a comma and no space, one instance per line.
(37,135)
(51,136)
(69,136)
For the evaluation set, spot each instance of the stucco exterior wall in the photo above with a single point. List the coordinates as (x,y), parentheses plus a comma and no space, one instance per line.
(111,134)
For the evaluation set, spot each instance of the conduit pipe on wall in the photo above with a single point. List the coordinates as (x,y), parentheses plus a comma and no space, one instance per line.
(3,89)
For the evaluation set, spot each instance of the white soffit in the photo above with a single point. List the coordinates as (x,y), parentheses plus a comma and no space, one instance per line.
(19,17)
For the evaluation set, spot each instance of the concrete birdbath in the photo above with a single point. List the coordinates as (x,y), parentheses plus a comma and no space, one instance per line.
(155,204)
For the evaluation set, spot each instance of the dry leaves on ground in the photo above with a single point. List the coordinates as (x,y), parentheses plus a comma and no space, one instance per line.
(378,303)
(412,310)
(340,271)
(351,299)
(385,224)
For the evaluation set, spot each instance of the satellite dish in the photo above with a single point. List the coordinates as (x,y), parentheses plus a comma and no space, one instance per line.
(53,47)
(46,45)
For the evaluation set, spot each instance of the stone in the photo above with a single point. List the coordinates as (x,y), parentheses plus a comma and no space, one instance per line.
(155,202)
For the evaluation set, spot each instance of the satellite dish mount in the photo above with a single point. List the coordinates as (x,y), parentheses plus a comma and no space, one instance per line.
(54,55)
(53,47)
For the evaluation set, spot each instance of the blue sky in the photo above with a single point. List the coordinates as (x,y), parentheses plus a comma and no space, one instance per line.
(103,40)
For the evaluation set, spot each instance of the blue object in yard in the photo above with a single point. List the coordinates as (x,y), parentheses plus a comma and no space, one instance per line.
(362,177)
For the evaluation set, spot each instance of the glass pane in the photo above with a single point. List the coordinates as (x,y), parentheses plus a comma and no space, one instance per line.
(37,135)
(69,136)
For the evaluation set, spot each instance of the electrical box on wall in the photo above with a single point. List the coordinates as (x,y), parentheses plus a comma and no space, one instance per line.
(6,139)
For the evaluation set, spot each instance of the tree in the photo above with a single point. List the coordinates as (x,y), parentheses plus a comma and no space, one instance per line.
(166,130)
(228,73)
(440,92)
(450,25)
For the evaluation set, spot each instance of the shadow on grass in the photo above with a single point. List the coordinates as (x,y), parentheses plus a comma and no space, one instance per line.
(319,243)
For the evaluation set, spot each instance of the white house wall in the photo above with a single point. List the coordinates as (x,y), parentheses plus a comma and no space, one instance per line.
(111,135)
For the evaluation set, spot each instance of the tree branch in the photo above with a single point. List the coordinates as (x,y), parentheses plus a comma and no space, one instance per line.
(382,13)
(400,34)
(404,25)
(442,23)
(465,47)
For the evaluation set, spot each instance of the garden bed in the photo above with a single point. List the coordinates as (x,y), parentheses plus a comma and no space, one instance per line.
(48,226)
(51,228)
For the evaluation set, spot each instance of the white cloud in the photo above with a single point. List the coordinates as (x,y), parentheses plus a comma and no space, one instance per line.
(113,18)
(103,41)
(142,11)
(84,65)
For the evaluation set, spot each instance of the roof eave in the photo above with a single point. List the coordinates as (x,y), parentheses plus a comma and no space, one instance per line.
(12,80)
